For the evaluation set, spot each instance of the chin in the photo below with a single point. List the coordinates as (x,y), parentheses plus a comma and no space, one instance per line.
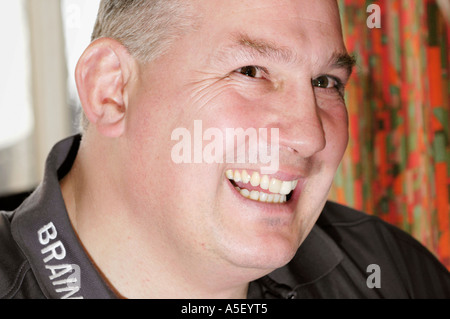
(265,253)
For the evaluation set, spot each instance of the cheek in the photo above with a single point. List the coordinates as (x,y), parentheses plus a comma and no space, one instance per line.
(154,173)
(335,123)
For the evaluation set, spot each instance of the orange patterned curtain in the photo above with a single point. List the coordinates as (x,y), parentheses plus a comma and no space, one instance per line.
(397,165)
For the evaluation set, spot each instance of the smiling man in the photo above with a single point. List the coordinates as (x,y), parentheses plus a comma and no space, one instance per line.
(116,216)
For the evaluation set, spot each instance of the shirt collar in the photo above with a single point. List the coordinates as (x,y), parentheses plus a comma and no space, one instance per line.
(317,256)
(42,228)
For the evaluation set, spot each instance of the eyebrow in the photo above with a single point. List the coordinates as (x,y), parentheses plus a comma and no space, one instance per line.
(343,61)
(265,49)
(245,47)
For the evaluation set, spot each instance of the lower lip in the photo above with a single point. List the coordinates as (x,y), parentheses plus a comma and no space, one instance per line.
(271,208)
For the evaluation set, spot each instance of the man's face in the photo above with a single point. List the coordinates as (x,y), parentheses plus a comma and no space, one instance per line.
(248,64)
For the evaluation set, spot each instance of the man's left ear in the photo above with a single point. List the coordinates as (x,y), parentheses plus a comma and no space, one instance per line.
(102,76)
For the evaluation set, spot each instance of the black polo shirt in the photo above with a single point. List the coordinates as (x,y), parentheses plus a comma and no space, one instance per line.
(348,254)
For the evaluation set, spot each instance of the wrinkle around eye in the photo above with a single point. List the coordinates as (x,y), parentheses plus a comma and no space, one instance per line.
(329,97)
(207,86)
(203,91)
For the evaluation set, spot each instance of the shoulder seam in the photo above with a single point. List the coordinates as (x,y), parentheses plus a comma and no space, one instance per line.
(12,291)
(394,231)
(363,219)
(415,244)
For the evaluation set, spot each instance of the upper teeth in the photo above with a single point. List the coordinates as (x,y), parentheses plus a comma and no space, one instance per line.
(274,185)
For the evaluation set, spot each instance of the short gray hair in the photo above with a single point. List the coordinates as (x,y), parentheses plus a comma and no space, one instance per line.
(146,28)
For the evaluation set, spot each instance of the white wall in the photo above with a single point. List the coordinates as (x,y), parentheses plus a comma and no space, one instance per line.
(41,41)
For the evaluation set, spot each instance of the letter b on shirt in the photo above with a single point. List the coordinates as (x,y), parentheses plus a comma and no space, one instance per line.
(56,249)
(47,233)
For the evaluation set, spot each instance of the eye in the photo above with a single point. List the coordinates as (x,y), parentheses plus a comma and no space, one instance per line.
(251,71)
(327,82)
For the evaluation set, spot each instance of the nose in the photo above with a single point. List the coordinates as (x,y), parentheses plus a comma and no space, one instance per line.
(300,126)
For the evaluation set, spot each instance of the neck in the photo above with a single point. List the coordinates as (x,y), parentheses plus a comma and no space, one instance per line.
(134,257)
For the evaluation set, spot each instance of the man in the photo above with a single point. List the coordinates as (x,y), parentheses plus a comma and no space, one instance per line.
(117,216)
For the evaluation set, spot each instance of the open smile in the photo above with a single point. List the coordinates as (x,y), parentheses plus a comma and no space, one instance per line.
(261,188)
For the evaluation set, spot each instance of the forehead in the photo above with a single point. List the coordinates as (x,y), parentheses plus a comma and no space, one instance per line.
(307,8)
(247,12)
(304,24)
